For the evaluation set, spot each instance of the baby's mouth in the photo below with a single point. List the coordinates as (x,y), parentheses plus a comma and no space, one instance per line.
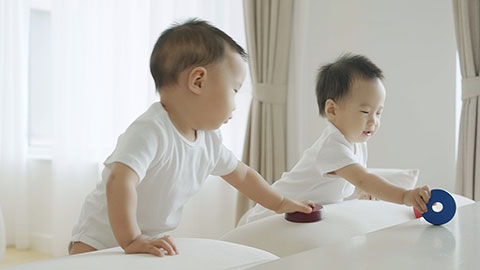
(367,133)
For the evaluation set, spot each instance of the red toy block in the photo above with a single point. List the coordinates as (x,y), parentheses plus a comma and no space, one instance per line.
(417,213)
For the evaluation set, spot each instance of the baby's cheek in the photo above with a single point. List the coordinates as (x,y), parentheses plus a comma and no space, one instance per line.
(232,104)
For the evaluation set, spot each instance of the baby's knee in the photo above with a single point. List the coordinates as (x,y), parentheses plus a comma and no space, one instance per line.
(79,247)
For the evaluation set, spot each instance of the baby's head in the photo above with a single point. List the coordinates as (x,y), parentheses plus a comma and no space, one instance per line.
(351,95)
(200,68)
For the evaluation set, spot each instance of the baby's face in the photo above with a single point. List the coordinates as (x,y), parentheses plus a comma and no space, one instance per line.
(224,80)
(358,114)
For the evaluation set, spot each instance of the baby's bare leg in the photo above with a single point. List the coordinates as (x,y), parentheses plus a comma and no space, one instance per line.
(79,247)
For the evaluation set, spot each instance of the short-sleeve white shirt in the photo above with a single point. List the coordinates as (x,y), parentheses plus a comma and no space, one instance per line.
(171,169)
(310,178)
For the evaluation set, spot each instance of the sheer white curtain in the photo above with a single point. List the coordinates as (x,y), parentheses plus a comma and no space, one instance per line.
(101,82)
(14,24)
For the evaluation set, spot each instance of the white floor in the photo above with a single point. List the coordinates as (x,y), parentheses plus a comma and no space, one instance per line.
(15,256)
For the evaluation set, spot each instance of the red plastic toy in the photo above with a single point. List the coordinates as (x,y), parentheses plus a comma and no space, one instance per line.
(299,217)
(417,213)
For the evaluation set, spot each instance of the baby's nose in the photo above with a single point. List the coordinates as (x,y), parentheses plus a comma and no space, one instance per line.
(371,125)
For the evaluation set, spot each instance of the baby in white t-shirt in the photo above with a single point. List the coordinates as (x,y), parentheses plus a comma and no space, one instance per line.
(351,95)
(166,154)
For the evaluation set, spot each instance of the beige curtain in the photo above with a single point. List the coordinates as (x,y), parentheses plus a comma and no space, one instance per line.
(467,27)
(267,24)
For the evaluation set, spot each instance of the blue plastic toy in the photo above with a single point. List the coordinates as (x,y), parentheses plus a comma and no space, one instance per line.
(446,213)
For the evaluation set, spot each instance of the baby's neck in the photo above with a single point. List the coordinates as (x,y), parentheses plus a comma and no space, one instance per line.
(179,121)
(353,145)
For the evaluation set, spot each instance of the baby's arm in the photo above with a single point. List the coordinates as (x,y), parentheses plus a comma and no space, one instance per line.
(380,188)
(122,213)
(252,184)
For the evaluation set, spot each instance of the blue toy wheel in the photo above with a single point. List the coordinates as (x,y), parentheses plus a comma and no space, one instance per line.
(448,210)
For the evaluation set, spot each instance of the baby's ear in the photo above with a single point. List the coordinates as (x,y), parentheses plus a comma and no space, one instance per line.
(330,108)
(196,79)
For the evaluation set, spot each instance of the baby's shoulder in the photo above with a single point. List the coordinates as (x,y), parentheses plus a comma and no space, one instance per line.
(332,147)
(155,119)
(330,139)
(148,125)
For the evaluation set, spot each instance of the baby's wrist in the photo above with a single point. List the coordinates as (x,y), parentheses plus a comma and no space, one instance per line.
(127,243)
(404,197)
(278,209)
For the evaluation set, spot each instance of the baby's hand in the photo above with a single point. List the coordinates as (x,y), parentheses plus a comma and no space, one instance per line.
(365,196)
(290,206)
(417,198)
(152,245)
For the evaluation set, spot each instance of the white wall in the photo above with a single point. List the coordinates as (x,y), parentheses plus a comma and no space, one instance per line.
(413,42)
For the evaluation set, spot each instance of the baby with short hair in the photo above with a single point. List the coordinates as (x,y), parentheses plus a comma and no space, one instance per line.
(351,95)
(167,153)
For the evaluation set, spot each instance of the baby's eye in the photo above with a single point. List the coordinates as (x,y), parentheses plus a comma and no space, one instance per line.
(235,90)
(364,112)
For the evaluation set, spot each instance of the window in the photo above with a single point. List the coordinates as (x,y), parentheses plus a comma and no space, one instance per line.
(40,82)
(41,77)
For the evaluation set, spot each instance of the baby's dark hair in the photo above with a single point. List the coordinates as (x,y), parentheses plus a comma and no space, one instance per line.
(192,43)
(335,79)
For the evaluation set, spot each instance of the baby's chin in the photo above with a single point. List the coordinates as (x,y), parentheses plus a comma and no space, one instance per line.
(363,139)
(210,127)
(217,126)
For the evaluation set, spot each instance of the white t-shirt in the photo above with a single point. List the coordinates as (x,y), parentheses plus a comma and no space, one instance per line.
(171,169)
(310,179)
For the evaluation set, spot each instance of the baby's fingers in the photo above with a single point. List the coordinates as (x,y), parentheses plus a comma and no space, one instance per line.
(420,204)
(309,203)
(424,194)
(306,207)
(161,243)
(172,244)
(155,251)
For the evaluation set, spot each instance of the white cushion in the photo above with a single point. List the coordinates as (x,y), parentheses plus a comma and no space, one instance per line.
(194,253)
(405,178)
(341,221)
